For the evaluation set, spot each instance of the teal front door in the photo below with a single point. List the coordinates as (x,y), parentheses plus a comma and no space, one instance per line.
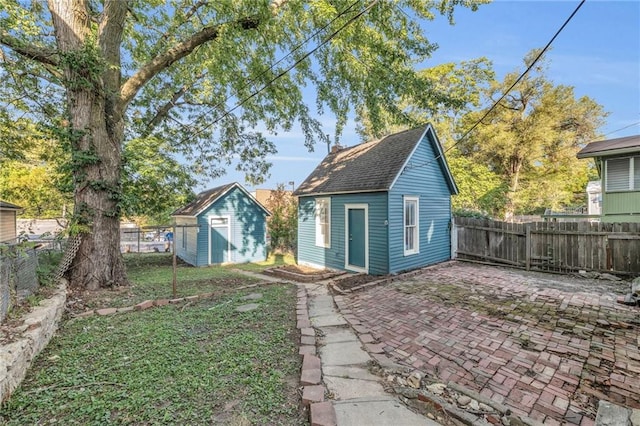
(219,240)
(356,239)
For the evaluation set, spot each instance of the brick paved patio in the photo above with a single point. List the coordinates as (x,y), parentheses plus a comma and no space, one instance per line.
(527,340)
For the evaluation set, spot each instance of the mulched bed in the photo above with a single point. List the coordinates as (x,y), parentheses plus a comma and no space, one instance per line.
(351,281)
(303,273)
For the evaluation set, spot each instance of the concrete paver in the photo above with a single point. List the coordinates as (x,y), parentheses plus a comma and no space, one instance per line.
(339,334)
(380,411)
(348,372)
(544,346)
(358,396)
(350,388)
(328,320)
(343,353)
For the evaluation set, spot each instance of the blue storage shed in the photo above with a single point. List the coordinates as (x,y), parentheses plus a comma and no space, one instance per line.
(380,207)
(222,225)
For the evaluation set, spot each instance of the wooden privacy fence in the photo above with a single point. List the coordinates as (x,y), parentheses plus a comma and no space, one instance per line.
(552,246)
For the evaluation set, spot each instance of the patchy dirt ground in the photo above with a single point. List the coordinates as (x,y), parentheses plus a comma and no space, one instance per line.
(303,270)
(547,346)
(350,281)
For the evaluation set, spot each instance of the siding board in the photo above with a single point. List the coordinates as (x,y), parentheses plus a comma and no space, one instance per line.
(247,231)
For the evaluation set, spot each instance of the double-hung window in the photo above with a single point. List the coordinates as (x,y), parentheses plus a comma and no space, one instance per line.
(323,222)
(623,174)
(411,225)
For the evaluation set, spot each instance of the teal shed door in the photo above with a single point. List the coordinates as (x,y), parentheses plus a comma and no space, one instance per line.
(219,240)
(356,238)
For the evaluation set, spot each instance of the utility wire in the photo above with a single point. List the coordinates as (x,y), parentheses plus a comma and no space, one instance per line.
(285,71)
(495,104)
(622,128)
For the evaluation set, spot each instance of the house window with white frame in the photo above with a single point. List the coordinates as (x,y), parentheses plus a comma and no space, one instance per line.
(411,225)
(623,174)
(323,222)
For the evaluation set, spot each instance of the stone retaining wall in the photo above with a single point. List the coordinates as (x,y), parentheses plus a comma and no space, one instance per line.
(34,334)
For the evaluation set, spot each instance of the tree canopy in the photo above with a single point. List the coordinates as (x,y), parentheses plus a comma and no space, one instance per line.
(202,77)
(531,138)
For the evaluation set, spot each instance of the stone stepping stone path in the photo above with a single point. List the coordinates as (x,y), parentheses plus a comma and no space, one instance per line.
(249,306)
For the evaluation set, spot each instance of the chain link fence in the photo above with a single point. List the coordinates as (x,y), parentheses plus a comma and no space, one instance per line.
(19,271)
(151,239)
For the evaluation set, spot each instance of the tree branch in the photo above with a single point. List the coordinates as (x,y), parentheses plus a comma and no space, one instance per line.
(164,109)
(164,60)
(36,53)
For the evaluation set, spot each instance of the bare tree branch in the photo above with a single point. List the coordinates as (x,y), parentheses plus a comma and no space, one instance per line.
(164,109)
(188,15)
(36,53)
(162,61)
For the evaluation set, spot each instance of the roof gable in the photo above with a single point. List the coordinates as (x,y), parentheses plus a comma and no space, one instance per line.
(9,206)
(624,145)
(370,166)
(207,198)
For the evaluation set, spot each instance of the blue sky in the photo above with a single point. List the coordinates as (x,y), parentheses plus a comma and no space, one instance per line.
(598,53)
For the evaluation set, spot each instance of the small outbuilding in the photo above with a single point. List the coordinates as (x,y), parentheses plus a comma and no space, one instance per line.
(8,227)
(379,207)
(222,225)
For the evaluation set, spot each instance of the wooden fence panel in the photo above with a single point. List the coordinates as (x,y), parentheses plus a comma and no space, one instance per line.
(552,246)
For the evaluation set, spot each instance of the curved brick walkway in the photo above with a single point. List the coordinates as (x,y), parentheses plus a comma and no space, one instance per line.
(515,337)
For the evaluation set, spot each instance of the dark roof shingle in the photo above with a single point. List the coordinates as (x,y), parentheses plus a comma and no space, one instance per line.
(611,146)
(202,201)
(370,166)
(8,206)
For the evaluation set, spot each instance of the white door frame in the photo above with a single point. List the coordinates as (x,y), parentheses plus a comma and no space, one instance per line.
(228,226)
(364,207)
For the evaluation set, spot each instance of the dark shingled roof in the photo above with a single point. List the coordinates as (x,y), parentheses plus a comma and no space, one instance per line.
(371,166)
(8,206)
(202,201)
(210,196)
(623,145)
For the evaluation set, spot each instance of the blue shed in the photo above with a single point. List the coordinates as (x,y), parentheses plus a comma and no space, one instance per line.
(222,225)
(380,207)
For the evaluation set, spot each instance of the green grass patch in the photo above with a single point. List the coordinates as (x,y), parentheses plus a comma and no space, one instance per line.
(151,277)
(179,364)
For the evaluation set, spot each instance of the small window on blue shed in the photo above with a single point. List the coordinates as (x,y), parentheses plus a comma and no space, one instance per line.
(411,225)
(323,222)
(184,237)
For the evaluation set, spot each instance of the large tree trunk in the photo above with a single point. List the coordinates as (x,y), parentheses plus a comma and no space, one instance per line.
(98,262)
(514,180)
(92,74)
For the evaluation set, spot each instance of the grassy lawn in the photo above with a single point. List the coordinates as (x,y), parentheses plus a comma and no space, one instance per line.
(200,363)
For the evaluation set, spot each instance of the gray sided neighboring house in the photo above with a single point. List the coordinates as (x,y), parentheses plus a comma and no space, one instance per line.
(222,225)
(379,207)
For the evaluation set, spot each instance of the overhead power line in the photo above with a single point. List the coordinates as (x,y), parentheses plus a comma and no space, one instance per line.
(623,128)
(495,104)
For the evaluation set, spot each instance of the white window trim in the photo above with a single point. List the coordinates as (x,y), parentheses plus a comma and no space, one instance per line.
(416,249)
(318,235)
(630,186)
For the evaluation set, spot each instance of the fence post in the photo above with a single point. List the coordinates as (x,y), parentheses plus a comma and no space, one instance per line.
(527,245)
(174,262)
